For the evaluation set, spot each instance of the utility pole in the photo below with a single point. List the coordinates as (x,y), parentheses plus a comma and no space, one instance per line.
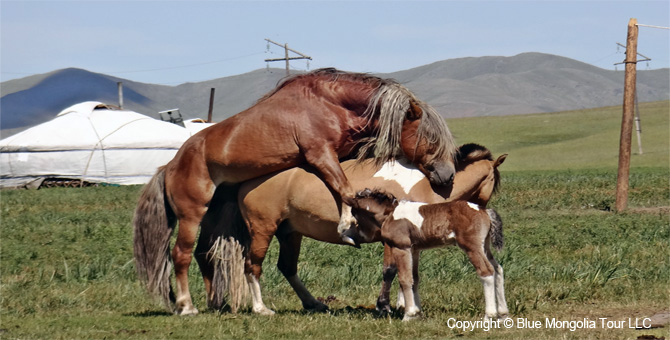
(286,57)
(627,117)
(638,128)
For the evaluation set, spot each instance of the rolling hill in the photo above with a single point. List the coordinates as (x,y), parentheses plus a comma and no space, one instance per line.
(465,87)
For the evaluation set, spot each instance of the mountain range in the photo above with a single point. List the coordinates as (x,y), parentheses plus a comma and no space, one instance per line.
(464,87)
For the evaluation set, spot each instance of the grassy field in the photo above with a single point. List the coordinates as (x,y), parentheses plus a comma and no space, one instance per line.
(67,271)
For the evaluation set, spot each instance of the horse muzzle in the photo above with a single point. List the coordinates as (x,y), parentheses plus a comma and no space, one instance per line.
(442,174)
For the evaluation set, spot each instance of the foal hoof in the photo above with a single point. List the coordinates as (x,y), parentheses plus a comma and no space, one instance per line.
(383,310)
(412,314)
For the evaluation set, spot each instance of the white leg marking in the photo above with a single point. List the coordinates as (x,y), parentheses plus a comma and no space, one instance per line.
(184,304)
(500,291)
(489,295)
(401,300)
(346,219)
(258,306)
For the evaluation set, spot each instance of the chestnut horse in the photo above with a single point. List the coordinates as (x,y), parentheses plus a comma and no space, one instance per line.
(296,203)
(315,118)
(408,227)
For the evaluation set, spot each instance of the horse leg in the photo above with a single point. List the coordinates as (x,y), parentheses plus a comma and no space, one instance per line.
(289,251)
(208,235)
(388,274)
(181,256)
(253,267)
(403,259)
(324,158)
(503,311)
(485,270)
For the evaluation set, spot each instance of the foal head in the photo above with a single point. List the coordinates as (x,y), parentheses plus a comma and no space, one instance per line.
(371,208)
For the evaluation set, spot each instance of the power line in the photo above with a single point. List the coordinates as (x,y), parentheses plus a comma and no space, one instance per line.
(184,66)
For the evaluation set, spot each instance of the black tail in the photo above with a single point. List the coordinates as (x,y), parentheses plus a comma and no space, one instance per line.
(496,230)
(227,249)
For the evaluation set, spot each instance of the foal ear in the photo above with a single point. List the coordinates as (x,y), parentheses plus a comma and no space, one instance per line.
(415,112)
(500,160)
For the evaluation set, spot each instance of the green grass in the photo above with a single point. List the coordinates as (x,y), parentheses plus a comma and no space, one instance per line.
(66,269)
(585,139)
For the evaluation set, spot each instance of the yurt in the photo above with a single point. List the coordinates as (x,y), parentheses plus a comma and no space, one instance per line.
(91,142)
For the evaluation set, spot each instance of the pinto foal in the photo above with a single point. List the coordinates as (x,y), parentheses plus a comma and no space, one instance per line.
(409,227)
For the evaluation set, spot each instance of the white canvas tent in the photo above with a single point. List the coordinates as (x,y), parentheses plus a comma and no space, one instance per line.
(93,143)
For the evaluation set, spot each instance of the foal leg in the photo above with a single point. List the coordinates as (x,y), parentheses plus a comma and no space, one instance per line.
(503,311)
(403,259)
(289,251)
(415,276)
(486,272)
(389,272)
(415,286)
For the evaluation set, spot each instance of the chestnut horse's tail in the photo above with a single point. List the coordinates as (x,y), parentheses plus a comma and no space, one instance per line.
(496,230)
(228,244)
(153,224)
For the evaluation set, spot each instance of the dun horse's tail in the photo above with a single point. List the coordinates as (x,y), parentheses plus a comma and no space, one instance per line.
(496,230)
(153,224)
(228,247)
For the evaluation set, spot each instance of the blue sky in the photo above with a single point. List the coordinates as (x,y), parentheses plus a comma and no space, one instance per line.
(172,42)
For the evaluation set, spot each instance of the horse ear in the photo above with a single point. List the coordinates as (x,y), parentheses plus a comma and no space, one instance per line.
(415,112)
(500,160)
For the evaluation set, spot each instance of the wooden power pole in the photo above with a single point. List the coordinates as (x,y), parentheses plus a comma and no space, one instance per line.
(627,118)
(286,57)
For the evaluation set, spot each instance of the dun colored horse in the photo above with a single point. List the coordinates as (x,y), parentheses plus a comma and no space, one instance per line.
(408,227)
(315,119)
(295,203)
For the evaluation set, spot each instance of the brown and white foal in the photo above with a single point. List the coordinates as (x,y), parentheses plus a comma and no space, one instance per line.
(409,227)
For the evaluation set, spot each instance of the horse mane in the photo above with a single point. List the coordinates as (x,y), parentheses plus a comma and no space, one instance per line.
(378,195)
(470,153)
(388,104)
(328,72)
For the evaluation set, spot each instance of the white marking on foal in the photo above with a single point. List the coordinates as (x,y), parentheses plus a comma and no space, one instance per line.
(401,172)
(473,206)
(410,211)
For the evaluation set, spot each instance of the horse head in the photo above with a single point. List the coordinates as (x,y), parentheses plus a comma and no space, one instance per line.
(428,144)
(476,165)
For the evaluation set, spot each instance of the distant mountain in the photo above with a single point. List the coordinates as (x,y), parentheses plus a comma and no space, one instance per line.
(525,83)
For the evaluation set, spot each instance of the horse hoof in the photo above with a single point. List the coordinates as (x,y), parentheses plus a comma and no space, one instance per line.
(349,241)
(190,311)
(264,311)
(320,308)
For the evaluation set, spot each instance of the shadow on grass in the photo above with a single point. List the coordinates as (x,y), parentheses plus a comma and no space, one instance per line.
(149,313)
